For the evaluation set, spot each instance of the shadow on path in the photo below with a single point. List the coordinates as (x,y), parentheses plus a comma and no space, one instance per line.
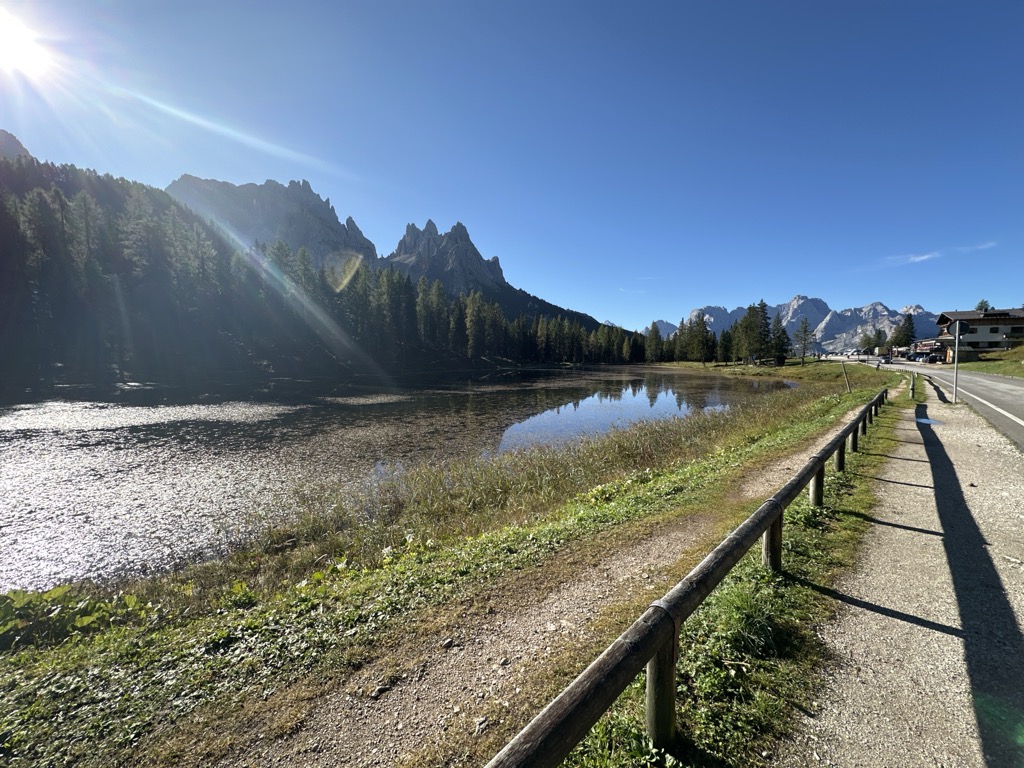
(993,643)
(856,602)
(879,521)
(938,392)
(879,479)
(895,458)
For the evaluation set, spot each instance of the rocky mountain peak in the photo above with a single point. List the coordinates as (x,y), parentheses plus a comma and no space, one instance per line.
(913,309)
(450,258)
(264,213)
(10,147)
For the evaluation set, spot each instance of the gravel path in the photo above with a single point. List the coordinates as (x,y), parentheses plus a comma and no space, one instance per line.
(460,675)
(929,651)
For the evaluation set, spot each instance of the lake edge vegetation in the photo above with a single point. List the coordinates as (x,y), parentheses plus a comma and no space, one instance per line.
(121,670)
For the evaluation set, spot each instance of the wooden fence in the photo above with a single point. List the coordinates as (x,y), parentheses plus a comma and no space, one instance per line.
(653,639)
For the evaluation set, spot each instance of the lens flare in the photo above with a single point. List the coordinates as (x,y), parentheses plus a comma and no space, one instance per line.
(339,343)
(341,269)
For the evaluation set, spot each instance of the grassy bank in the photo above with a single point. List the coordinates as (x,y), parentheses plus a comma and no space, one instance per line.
(168,670)
(1006,362)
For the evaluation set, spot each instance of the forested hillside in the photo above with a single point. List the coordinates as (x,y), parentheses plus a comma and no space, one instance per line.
(105,280)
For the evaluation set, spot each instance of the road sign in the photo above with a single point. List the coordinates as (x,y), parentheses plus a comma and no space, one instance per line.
(958,328)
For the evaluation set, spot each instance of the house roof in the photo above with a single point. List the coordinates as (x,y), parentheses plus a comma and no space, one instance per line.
(981,315)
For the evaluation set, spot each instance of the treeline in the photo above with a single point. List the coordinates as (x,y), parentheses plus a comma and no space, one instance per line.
(753,339)
(902,335)
(395,323)
(104,280)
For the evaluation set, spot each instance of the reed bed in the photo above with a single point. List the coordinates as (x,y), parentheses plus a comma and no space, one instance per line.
(457,498)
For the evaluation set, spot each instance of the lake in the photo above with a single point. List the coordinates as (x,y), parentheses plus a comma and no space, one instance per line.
(101,490)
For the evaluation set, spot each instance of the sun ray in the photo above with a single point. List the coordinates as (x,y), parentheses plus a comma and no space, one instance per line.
(20,49)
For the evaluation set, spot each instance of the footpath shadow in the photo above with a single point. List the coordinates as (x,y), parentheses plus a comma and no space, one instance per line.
(993,642)
(938,392)
(882,610)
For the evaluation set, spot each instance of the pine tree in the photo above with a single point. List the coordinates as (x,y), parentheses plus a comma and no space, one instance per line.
(475,325)
(805,337)
(779,341)
(904,334)
(752,334)
(725,346)
(700,341)
(680,342)
(654,343)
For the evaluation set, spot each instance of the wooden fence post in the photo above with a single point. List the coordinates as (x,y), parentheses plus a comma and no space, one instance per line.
(771,546)
(841,456)
(816,488)
(661,695)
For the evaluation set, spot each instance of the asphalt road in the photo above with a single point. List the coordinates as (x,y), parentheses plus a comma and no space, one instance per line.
(1000,399)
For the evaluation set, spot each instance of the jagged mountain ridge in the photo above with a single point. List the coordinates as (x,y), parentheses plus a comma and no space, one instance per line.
(451,258)
(299,217)
(264,213)
(835,330)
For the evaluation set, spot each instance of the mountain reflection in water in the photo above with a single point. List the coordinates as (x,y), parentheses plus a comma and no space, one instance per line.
(102,490)
(602,412)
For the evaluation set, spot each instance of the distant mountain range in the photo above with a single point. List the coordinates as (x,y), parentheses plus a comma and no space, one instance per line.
(835,330)
(296,215)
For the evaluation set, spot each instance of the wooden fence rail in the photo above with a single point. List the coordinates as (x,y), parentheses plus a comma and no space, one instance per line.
(653,639)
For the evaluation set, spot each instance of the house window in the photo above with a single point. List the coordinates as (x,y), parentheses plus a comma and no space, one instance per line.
(1017,329)
(994,329)
(992,344)
(972,330)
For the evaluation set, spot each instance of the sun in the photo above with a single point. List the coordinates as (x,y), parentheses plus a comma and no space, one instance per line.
(20,49)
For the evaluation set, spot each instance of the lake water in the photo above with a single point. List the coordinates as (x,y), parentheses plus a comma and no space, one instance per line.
(100,490)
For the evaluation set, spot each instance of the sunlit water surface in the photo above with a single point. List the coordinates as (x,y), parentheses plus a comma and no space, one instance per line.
(101,490)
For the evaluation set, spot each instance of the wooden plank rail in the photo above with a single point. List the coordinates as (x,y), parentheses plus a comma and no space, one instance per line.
(653,639)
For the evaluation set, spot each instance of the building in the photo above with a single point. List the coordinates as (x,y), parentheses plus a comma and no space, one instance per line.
(989,328)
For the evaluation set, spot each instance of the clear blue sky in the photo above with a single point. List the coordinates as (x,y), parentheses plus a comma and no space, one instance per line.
(629,160)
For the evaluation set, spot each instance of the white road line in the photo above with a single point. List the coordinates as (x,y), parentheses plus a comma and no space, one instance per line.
(995,408)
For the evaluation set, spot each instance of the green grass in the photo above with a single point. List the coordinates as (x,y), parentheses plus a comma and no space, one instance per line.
(1007,362)
(169,670)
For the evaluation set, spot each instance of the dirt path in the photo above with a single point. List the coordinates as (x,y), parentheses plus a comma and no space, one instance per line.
(929,651)
(460,676)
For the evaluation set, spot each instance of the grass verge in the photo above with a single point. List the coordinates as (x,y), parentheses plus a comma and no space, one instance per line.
(131,671)
(1005,362)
